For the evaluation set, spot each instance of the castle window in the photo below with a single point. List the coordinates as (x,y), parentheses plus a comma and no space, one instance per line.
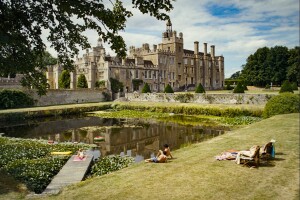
(150,74)
(136,73)
(146,72)
(169,49)
(185,61)
(192,62)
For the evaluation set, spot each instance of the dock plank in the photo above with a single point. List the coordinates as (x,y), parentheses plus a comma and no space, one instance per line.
(72,172)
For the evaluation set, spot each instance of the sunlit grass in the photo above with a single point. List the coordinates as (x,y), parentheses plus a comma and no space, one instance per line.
(195,174)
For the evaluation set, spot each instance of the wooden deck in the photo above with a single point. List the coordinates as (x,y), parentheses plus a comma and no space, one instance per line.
(72,172)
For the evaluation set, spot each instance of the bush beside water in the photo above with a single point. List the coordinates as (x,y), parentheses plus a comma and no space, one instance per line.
(282,104)
(14,99)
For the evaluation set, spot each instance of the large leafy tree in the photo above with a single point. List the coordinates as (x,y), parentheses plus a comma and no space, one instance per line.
(268,65)
(293,71)
(22,24)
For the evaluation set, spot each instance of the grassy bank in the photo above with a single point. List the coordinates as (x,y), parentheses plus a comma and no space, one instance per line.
(195,174)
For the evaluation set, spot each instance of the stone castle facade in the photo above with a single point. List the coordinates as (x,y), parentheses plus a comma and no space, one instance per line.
(166,63)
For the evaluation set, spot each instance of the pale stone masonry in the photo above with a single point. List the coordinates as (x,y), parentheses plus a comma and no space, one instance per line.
(166,63)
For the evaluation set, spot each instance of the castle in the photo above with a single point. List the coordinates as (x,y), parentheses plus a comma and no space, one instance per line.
(166,63)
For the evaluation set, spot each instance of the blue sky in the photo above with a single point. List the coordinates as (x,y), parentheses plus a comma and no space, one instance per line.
(236,27)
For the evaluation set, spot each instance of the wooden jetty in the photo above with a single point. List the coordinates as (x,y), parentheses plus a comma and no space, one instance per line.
(72,172)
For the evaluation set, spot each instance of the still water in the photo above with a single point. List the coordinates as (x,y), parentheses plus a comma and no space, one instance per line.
(138,138)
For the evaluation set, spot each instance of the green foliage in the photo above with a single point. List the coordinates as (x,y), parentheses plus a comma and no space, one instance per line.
(136,84)
(239,88)
(274,65)
(193,110)
(22,46)
(282,104)
(235,75)
(293,71)
(116,85)
(168,89)
(100,84)
(286,87)
(240,120)
(29,161)
(14,99)
(82,82)
(146,88)
(294,86)
(229,87)
(35,174)
(267,86)
(64,80)
(109,164)
(200,89)
(184,97)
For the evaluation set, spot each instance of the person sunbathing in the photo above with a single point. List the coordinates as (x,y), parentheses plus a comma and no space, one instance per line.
(168,151)
(80,154)
(162,158)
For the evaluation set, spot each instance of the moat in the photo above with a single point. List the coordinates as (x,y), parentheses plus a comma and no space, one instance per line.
(139,138)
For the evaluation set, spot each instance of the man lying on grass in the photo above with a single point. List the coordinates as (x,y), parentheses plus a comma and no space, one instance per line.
(159,159)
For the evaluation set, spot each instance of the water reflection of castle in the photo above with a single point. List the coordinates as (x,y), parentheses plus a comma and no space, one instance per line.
(141,140)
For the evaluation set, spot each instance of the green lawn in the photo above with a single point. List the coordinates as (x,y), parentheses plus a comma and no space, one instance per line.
(195,174)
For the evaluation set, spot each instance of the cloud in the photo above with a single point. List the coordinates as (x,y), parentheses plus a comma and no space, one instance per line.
(237,28)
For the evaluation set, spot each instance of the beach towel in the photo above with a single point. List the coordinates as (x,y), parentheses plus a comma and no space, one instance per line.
(76,158)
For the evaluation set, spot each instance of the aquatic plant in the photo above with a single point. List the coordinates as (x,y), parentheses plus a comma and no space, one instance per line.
(109,164)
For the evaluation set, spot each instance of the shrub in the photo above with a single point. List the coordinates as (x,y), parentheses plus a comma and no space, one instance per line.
(294,86)
(228,87)
(115,85)
(239,88)
(146,88)
(286,87)
(64,80)
(82,82)
(14,99)
(245,87)
(200,89)
(282,104)
(100,84)
(110,163)
(168,89)
(184,98)
(267,86)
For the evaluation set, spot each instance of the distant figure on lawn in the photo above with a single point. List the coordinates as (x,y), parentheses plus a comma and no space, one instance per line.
(162,158)
(167,150)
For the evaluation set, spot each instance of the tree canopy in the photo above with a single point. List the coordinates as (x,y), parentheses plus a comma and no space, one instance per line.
(23,24)
(274,64)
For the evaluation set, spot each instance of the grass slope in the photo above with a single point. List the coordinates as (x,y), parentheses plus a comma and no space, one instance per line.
(194,174)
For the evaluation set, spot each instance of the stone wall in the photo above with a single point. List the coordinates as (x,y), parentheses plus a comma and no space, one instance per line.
(56,97)
(259,99)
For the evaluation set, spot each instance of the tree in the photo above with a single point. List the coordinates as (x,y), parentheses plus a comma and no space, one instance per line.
(274,65)
(146,88)
(22,24)
(64,80)
(168,89)
(293,71)
(239,88)
(200,89)
(82,82)
(286,87)
(235,75)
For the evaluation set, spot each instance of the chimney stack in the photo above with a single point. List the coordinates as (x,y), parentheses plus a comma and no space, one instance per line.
(212,50)
(196,47)
(205,49)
